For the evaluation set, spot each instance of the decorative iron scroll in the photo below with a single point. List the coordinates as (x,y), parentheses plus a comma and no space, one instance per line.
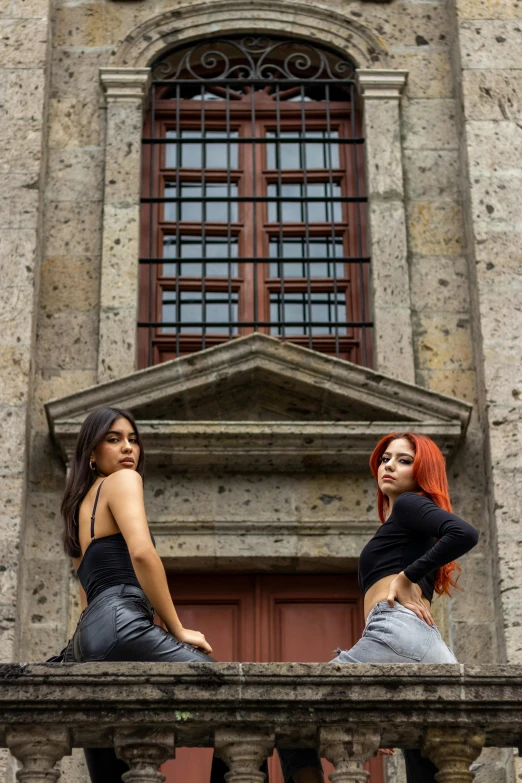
(254,58)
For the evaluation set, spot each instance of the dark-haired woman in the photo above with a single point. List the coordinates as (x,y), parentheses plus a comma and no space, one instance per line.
(409,558)
(121,575)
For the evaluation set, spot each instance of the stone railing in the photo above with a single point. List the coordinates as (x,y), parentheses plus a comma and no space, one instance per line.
(245,710)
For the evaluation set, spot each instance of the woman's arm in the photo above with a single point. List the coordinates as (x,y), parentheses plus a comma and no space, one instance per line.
(125,499)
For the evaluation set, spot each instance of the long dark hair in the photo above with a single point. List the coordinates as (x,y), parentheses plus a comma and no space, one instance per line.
(81,477)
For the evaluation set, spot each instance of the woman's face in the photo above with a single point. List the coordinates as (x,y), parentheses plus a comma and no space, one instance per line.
(118,449)
(395,473)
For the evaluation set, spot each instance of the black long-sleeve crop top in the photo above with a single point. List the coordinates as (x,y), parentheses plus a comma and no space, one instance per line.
(407,542)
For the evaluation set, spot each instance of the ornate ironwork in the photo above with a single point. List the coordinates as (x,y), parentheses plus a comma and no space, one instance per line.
(254,59)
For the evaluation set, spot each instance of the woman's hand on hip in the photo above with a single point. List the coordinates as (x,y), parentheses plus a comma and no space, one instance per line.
(195,638)
(410,596)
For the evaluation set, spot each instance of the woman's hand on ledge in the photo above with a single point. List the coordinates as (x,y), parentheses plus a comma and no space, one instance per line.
(410,596)
(195,638)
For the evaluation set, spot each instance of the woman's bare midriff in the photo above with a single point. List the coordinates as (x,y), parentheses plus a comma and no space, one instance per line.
(379,592)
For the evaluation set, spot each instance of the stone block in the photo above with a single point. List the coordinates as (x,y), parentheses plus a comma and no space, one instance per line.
(443,341)
(488,9)
(9,560)
(383,149)
(492,94)
(474,581)
(67,341)
(23,41)
(75,121)
(43,536)
(49,384)
(74,228)
(429,71)
(69,283)
(431,175)
(494,148)
(82,24)
(16,314)
(7,633)
(389,251)
(18,200)
(39,642)
(120,269)
(24,94)
(474,643)
(404,24)
(492,44)
(13,427)
(123,160)
(505,440)
(46,468)
(429,124)
(74,767)
(455,383)
(45,584)
(73,66)
(30,9)
(118,343)
(435,229)
(18,251)
(439,283)
(14,385)
(75,174)
(12,500)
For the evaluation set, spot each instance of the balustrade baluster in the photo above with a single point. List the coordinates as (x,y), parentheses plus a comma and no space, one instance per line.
(244,750)
(38,750)
(144,750)
(453,751)
(348,749)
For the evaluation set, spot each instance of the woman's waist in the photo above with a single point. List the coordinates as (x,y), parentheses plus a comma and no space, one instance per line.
(378,594)
(115,593)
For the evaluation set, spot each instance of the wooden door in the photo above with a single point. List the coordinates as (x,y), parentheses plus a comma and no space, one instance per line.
(266,617)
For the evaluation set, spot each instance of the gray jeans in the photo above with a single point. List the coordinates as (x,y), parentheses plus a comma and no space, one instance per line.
(397,635)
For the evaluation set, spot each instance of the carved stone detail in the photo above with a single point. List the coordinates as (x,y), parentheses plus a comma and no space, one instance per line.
(349,750)
(244,750)
(453,751)
(38,750)
(125,85)
(380,83)
(144,750)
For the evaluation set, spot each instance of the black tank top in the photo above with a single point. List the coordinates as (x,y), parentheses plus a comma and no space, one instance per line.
(418,538)
(106,561)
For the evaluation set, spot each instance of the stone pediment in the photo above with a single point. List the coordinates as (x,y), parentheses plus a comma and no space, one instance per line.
(259,403)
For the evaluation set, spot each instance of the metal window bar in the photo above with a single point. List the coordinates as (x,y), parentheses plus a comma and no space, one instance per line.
(318,246)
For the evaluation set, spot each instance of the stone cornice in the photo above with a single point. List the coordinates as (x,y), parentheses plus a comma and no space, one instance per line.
(380,83)
(94,699)
(266,446)
(125,85)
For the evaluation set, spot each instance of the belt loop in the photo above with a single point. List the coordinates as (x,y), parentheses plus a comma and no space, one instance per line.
(122,591)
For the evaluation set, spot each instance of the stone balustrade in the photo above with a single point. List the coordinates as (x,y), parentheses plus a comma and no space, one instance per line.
(146,710)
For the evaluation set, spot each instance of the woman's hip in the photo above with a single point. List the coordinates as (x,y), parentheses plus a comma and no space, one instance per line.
(397,635)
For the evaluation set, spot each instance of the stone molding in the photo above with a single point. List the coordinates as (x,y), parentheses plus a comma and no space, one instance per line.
(380,84)
(189,22)
(292,699)
(244,446)
(125,85)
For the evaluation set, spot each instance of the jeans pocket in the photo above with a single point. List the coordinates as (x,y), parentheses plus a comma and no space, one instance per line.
(405,634)
(97,634)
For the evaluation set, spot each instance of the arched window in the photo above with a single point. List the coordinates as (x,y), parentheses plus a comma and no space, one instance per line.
(253,201)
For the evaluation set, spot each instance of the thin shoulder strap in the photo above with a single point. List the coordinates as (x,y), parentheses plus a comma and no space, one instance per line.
(94,510)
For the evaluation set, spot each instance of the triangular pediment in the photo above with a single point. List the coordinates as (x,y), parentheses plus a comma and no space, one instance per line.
(259,382)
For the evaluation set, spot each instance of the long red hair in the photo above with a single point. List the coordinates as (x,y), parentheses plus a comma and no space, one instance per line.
(429,471)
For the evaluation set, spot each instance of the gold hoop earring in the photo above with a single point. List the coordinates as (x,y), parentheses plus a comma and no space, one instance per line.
(92,466)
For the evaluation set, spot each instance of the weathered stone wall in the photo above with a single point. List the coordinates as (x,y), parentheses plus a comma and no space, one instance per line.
(461,175)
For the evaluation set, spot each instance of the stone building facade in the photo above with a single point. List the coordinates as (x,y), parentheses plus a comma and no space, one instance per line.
(258,447)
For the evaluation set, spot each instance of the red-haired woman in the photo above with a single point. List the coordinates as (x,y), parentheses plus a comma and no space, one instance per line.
(409,558)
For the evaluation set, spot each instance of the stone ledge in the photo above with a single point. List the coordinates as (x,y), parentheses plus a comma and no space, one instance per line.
(293,699)
(250,446)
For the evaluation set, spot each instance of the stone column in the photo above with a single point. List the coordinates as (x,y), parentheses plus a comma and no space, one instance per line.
(144,750)
(126,90)
(348,749)
(38,750)
(244,750)
(452,751)
(392,343)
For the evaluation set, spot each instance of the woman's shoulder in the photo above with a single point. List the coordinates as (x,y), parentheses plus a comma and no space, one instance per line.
(411,500)
(123,481)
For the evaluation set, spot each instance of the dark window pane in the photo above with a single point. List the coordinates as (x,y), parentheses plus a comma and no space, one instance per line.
(296,212)
(190,155)
(192,212)
(219,306)
(302,308)
(188,246)
(313,248)
(323,154)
